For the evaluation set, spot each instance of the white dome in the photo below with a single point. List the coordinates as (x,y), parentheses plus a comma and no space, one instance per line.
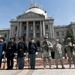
(36,9)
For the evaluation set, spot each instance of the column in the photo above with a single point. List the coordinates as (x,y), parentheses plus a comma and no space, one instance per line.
(50,30)
(17,28)
(40,30)
(17,31)
(43,28)
(11,31)
(27,30)
(20,28)
(34,29)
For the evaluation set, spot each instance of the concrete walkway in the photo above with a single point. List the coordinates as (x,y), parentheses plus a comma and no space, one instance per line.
(40,71)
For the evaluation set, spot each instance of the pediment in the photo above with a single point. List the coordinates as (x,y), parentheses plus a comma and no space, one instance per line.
(30,15)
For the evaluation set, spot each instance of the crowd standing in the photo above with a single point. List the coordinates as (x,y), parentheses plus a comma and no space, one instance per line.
(20,50)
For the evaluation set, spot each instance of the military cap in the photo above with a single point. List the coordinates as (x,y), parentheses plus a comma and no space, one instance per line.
(68,38)
(45,37)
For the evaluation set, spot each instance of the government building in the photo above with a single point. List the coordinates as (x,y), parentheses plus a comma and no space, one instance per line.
(34,22)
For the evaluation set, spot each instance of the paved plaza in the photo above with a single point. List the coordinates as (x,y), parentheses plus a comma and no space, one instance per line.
(40,71)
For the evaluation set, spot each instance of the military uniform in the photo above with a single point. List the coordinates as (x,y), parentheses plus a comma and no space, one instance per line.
(74,55)
(32,46)
(11,49)
(68,48)
(58,54)
(22,49)
(46,52)
(2,48)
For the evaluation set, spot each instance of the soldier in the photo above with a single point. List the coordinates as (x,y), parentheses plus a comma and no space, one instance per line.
(46,52)
(2,49)
(73,54)
(22,49)
(11,49)
(68,47)
(58,54)
(32,46)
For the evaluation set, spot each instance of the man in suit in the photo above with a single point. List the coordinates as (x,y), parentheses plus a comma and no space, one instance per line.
(46,51)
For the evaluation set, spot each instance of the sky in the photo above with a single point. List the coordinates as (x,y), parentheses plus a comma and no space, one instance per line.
(63,11)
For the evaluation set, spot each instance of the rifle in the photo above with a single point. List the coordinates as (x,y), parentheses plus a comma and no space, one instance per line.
(4,62)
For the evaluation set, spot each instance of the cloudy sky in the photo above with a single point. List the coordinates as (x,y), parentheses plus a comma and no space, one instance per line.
(63,11)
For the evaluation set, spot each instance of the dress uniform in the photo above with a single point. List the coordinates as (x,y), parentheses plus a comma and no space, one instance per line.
(46,52)
(58,53)
(11,49)
(22,49)
(2,49)
(32,49)
(68,47)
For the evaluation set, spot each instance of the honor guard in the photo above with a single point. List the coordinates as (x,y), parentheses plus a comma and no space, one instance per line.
(22,49)
(2,49)
(11,49)
(32,49)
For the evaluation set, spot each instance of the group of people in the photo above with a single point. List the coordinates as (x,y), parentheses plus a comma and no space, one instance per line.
(68,51)
(18,50)
(21,49)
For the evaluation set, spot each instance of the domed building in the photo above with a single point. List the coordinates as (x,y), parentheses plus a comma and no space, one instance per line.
(34,22)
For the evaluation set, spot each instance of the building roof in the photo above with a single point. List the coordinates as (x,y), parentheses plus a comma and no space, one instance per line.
(36,9)
(4,28)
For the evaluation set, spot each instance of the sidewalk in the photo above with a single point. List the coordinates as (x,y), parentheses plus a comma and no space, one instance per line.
(40,71)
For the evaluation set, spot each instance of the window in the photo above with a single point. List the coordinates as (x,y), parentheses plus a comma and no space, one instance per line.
(38,35)
(47,34)
(5,35)
(37,27)
(24,27)
(57,33)
(63,33)
(16,28)
(31,35)
(46,26)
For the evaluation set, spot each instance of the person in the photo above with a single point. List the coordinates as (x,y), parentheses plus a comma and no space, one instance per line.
(73,55)
(32,49)
(2,49)
(21,51)
(11,49)
(58,53)
(46,51)
(68,47)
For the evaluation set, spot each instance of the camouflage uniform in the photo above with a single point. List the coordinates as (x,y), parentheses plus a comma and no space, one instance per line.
(68,48)
(46,52)
(58,54)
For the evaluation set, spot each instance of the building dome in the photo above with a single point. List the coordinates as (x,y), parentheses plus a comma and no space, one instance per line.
(36,9)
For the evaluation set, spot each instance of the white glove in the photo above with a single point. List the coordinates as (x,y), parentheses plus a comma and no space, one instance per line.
(24,53)
(15,54)
(3,52)
(36,53)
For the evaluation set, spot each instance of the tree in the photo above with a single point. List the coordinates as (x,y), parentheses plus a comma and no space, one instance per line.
(69,34)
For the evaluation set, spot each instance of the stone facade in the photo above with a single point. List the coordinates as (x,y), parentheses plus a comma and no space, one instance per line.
(35,23)
(5,32)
